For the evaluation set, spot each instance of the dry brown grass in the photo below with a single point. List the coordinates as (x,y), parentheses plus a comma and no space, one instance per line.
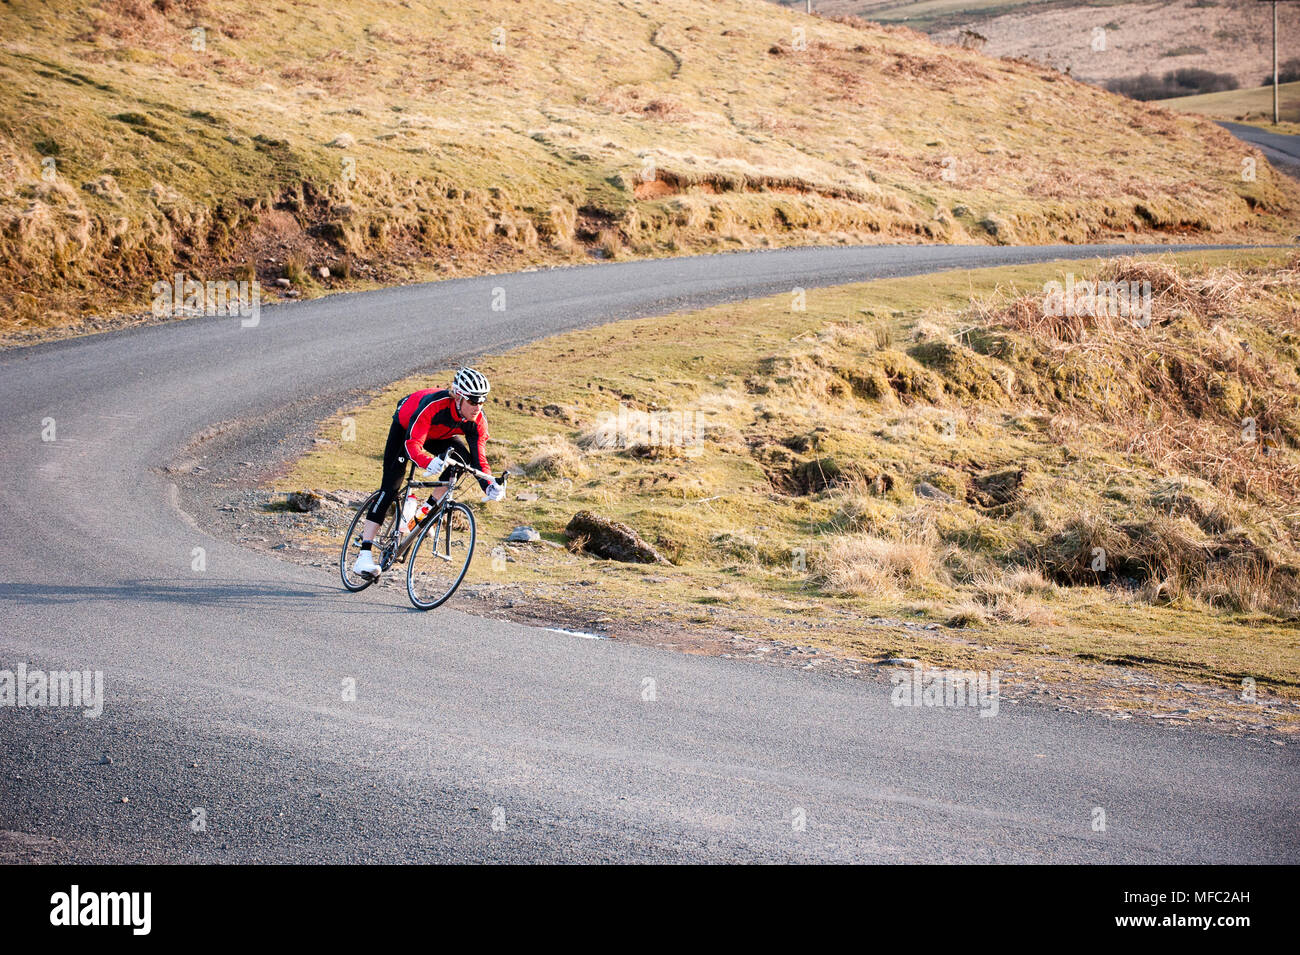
(869,566)
(1012,595)
(1247,585)
(555,456)
(1189,393)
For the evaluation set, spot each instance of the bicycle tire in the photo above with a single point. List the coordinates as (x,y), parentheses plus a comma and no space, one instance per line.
(444,539)
(355,582)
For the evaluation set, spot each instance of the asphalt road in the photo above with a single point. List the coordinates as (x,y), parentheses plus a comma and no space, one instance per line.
(472,739)
(1282,149)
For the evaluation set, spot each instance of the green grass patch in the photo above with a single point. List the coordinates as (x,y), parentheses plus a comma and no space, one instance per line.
(1246,105)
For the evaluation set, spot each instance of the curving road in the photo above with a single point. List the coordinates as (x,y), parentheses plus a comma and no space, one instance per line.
(1282,149)
(475,739)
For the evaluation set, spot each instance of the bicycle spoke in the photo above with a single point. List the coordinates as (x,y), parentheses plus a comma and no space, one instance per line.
(440,557)
(352,548)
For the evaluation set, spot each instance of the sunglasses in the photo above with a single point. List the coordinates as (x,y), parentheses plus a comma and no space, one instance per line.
(474,402)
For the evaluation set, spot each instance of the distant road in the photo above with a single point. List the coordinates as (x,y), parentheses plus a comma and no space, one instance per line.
(476,739)
(1282,150)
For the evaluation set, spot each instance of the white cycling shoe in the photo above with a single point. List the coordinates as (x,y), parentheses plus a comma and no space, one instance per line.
(365,565)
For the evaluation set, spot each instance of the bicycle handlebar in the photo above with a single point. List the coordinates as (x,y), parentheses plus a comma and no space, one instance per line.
(454,460)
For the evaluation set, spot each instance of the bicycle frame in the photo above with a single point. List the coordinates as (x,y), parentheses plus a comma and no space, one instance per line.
(394,540)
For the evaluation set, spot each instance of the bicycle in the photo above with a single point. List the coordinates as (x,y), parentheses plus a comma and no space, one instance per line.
(434,545)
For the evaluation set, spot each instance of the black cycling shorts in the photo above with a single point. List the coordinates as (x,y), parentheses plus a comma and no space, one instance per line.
(396,461)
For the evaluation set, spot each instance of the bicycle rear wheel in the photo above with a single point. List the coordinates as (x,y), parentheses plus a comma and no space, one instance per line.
(440,557)
(352,547)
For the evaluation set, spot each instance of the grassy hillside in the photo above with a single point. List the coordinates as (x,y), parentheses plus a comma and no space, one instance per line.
(921,467)
(391,141)
(1253,104)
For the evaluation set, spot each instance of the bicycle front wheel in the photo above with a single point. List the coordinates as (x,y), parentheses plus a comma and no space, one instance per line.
(440,557)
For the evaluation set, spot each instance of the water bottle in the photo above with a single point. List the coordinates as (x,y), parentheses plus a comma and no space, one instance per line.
(413,511)
(409,510)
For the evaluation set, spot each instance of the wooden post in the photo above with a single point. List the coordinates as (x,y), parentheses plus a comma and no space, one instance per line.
(1277,114)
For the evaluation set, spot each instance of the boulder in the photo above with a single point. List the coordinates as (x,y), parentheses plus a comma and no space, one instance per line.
(304,501)
(925,489)
(610,539)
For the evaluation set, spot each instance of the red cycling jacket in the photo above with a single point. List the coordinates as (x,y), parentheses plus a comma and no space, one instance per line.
(430,415)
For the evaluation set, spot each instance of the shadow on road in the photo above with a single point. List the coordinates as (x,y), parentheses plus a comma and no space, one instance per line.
(212,593)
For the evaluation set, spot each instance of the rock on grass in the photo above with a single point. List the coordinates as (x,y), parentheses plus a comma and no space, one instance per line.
(304,501)
(610,539)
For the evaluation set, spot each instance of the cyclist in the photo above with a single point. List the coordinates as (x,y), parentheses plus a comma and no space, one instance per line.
(426,426)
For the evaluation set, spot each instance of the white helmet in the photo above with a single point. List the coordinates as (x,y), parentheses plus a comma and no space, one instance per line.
(471,383)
